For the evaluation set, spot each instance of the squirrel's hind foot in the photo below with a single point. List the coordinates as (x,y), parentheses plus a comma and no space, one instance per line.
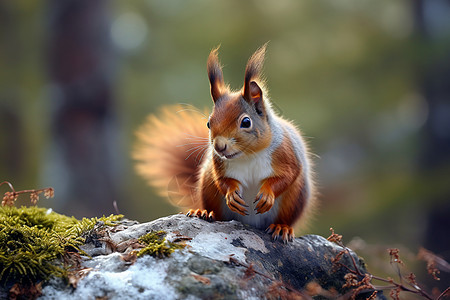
(202,214)
(281,230)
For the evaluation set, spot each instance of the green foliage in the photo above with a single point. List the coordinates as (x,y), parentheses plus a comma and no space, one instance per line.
(32,239)
(86,224)
(157,246)
(28,253)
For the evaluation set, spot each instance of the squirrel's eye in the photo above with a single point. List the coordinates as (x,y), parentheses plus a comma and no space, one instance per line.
(207,125)
(246,122)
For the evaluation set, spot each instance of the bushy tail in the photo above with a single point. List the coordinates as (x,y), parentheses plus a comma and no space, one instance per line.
(169,150)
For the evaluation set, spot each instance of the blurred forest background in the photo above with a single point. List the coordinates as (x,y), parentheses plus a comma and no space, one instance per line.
(368,82)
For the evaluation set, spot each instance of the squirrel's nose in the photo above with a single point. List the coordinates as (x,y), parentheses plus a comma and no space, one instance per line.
(220,147)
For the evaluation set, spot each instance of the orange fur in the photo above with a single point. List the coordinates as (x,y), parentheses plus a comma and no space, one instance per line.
(287,182)
(211,197)
(169,151)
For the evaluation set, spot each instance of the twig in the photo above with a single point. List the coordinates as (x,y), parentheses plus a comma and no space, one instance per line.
(9,184)
(444,293)
(116,208)
(394,258)
(10,197)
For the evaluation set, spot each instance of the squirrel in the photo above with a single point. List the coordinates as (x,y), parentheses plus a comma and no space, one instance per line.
(246,163)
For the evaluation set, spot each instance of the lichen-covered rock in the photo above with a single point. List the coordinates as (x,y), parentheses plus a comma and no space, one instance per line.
(221,260)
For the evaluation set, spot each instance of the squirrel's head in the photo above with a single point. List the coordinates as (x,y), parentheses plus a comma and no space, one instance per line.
(239,122)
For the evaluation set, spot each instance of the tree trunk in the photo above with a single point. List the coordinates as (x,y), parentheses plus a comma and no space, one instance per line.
(83,159)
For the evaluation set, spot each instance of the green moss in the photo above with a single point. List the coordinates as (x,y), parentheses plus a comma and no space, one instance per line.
(33,239)
(157,245)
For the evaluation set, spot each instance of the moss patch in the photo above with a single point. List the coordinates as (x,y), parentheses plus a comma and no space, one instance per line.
(157,245)
(33,240)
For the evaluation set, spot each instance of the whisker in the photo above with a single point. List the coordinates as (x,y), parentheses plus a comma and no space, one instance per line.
(246,146)
(197,137)
(187,144)
(191,154)
(308,137)
(315,155)
(194,148)
(202,152)
(188,104)
(188,109)
(192,108)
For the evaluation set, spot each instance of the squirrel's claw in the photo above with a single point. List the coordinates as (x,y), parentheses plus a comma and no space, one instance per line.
(211,217)
(202,214)
(240,200)
(281,230)
(191,213)
(266,200)
(236,203)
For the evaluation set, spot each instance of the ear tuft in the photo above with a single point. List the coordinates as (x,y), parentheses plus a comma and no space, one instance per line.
(215,75)
(252,92)
(254,65)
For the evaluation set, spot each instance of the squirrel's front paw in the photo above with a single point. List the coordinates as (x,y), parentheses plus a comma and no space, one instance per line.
(281,230)
(235,202)
(266,200)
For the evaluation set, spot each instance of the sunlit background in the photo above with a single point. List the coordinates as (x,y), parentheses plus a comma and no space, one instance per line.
(368,82)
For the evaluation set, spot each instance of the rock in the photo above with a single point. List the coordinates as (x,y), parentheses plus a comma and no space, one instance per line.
(221,260)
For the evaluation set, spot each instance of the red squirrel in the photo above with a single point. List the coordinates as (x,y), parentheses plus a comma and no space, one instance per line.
(244,163)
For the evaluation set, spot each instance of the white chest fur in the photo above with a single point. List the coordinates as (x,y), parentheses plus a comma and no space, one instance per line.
(250,171)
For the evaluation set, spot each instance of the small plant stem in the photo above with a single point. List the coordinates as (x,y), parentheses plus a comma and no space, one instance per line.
(31,191)
(402,287)
(347,251)
(22,191)
(444,293)
(414,288)
(9,184)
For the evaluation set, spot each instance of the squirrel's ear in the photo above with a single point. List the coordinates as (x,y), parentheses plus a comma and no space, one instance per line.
(252,91)
(253,69)
(215,75)
(254,96)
